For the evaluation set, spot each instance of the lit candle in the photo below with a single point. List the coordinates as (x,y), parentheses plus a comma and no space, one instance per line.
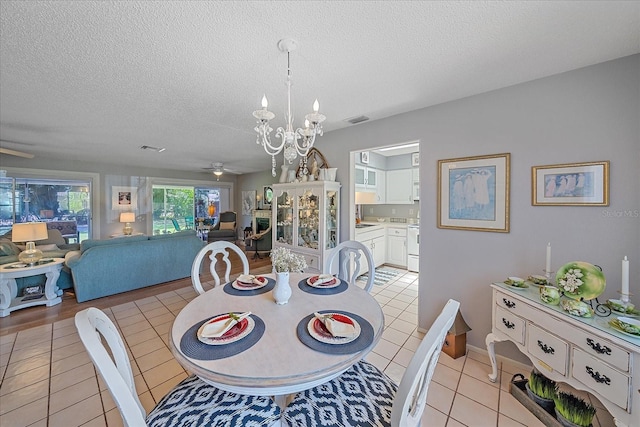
(625,279)
(548,264)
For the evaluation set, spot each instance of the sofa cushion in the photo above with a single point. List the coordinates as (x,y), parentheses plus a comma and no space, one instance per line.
(173,235)
(90,243)
(49,247)
(7,247)
(228,225)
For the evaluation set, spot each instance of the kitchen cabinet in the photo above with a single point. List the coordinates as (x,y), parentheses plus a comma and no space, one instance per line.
(415,173)
(583,352)
(375,239)
(306,218)
(371,180)
(397,246)
(399,187)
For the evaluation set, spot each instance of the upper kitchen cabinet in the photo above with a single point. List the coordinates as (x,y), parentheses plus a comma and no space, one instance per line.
(371,180)
(400,187)
(416,184)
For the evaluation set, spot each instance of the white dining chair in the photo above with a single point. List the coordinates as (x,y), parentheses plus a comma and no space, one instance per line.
(363,395)
(190,403)
(345,253)
(214,249)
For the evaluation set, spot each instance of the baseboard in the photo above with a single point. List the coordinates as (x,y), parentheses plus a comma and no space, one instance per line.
(500,358)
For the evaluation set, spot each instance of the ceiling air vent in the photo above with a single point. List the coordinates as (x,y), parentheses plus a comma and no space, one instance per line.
(148,147)
(356,120)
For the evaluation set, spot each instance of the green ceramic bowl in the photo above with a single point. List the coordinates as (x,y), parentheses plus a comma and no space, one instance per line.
(593,281)
(550,294)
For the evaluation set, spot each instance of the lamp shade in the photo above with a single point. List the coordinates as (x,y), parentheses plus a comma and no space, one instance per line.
(459,325)
(29,231)
(127,217)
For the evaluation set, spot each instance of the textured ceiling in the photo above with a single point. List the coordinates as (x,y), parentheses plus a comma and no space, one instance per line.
(95,80)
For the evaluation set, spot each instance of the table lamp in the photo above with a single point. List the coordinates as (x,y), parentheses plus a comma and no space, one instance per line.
(127,218)
(29,232)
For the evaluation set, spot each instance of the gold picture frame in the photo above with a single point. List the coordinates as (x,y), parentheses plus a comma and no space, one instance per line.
(570,184)
(473,193)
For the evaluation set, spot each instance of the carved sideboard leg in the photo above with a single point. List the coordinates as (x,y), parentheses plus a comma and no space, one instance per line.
(490,342)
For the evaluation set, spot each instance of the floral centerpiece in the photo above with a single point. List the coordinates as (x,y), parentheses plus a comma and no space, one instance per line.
(580,280)
(283,260)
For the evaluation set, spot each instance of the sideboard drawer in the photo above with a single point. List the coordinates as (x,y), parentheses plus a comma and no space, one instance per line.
(549,349)
(510,324)
(602,349)
(601,378)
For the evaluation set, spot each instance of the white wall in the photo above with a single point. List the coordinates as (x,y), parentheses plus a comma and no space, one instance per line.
(589,114)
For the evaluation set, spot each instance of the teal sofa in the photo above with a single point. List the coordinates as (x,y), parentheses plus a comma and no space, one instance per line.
(108,267)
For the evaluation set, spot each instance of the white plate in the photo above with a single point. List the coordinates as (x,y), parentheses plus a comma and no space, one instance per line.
(236,333)
(622,331)
(250,287)
(328,285)
(318,331)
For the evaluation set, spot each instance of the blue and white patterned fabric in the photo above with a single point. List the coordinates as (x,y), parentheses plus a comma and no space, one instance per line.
(195,403)
(361,396)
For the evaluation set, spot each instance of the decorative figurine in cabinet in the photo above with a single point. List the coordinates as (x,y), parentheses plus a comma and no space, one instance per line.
(306,219)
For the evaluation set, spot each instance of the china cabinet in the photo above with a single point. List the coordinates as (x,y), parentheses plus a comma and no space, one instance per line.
(583,352)
(306,219)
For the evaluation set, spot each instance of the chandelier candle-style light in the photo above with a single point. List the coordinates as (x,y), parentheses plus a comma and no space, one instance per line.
(296,142)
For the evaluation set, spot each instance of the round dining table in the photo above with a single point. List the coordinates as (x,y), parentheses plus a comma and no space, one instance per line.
(278,358)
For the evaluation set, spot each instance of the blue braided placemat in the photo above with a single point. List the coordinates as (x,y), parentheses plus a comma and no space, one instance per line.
(193,348)
(229,289)
(363,341)
(322,291)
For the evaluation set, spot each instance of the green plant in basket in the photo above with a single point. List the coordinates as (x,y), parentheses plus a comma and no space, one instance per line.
(574,409)
(542,386)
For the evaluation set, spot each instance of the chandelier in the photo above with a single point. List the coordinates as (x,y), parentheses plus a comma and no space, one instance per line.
(296,142)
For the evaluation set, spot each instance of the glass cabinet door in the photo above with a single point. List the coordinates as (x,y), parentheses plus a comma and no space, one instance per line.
(284,221)
(308,219)
(331,227)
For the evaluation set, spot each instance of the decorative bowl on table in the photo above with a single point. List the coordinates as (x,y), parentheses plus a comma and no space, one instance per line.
(550,294)
(537,280)
(515,282)
(580,280)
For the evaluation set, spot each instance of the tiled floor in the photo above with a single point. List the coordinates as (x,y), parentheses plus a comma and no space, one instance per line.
(49,380)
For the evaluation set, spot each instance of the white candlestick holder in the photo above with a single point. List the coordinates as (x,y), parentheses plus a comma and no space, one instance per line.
(549,275)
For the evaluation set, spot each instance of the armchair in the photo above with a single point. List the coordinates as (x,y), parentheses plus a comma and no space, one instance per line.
(225,229)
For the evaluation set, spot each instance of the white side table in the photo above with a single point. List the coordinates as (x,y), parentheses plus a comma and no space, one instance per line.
(9,300)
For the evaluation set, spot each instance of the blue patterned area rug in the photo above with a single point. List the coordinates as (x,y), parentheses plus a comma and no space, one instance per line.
(382,276)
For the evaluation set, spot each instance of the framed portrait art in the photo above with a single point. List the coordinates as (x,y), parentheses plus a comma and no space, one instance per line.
(124,198)
(364,157)
(267,196)
(248,202)
(572,184)
(473,193)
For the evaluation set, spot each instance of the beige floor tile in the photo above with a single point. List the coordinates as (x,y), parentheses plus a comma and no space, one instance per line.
(457,364)
(163,329)
(107,401)
(382,299)
(72,377)
(64,323)
(405,298)
(403,357)
(64,331)
(77,414)
(412,308)
(130,320)
(147,347)
(141,337)
(451,422)
(31,341)
(25,379)
(162,373)
(151,360)
(148,303)
(27,414)
(22,396)
(26,365)
(479,391)
(391,311)
(96,422)
(135,328)
(42,348)
(41,423)
(176,306)
(440,397)
(446,376)
(69,363)
(67,351)
(504,421)
(401,305)
(386,349)
(479,371)
(148,403)
(433,418)
(163,318)
(158,311)
(131,310)
(403,326)
(66,340)
(480,357)
(472,413)
(412,343)
(72,395)
(377,361)
(114,419)
(162,389)
(141,384)
(395,371)
(395,336)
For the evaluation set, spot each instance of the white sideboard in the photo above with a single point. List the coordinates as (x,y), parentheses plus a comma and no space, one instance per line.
(583,352)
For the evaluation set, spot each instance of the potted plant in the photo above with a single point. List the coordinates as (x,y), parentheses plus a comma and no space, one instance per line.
(571,411)
(542,390)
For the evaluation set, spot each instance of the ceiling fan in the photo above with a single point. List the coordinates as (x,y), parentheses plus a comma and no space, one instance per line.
(16,153)
(218,168)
